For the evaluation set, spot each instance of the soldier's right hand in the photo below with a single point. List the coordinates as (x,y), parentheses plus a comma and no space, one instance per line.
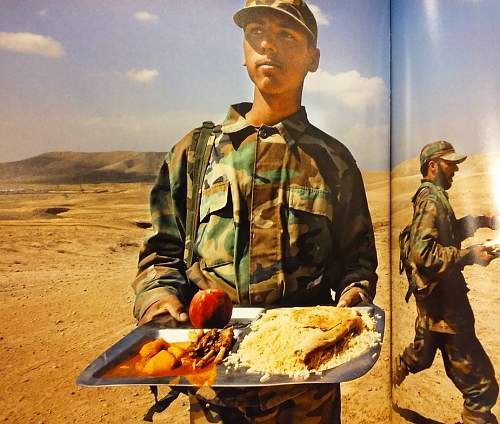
(481,255)
(169,305)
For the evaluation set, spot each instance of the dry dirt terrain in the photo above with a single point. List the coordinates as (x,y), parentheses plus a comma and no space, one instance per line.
(67,258)
(430,397)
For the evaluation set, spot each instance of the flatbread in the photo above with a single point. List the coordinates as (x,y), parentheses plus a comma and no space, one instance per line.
(336,325)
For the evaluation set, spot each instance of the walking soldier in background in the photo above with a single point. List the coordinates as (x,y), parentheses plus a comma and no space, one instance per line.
(282,218)
(434,261)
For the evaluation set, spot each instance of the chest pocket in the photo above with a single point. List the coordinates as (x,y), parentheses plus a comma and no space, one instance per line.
(309,216)
(215,237)
(311,200)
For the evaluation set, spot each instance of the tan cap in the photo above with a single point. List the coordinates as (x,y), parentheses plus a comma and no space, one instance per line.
(440,149)
(295,9)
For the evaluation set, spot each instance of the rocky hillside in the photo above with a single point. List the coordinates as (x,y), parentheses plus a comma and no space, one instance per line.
(79,168)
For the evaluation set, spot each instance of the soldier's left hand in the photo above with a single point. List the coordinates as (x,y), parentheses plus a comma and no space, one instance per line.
(352,297)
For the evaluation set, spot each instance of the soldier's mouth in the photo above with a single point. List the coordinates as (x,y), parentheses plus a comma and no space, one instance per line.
(269,64)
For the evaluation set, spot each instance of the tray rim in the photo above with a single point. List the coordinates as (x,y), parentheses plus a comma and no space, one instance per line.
(88,377)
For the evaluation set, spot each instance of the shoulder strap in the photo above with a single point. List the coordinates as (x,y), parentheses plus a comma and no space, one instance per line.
(404,246)
(420,188)
(200,151)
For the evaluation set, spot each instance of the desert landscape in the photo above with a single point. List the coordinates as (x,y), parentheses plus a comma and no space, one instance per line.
(68,255)
(68,258)
(430,397)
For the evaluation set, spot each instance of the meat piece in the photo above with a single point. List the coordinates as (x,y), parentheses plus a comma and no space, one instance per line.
(213,345)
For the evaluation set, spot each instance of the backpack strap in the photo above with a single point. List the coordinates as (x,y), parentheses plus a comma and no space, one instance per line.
(199,155)
(404,248)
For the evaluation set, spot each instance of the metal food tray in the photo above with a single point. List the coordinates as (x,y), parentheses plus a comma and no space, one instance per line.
(227,376)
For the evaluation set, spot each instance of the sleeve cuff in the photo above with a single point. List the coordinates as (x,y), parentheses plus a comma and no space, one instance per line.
(144,301)
(364,292)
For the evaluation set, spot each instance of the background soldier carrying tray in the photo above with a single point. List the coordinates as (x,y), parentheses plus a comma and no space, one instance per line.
(445,319)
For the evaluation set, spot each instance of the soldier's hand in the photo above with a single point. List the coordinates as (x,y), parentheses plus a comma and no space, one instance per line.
(488,221)
(493,222)
(352,297)
(170,305)
(481,255)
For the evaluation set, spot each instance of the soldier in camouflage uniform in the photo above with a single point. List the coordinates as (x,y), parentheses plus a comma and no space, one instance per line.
(283,216)
(445,320)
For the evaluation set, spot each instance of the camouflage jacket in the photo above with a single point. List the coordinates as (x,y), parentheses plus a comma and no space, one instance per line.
(437,261)
(283,219)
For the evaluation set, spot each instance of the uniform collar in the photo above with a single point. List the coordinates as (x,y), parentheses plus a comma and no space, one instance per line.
(426,182)
(290,128)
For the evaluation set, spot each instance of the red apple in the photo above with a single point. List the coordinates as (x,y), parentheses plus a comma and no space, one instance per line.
(210,308)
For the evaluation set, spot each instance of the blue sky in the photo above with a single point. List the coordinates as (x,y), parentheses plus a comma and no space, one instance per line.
(445,75)
(87,75)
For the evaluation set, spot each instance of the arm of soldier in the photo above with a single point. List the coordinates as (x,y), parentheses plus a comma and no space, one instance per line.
(428,255)
(469,224)
(161,280)
(356,243)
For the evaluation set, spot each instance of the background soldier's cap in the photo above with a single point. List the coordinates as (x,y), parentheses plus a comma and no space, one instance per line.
(295,9)
(440,149)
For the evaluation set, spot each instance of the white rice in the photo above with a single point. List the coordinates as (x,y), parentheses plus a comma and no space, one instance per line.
(271,346)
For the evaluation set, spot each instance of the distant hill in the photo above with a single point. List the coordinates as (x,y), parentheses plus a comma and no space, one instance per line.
(102,167)
(79,168)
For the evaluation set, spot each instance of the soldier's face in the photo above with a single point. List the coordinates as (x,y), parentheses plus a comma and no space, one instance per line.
(278,54)
(445,173)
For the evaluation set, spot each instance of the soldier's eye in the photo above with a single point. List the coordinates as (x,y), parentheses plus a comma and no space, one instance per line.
(254,30)
(286,35)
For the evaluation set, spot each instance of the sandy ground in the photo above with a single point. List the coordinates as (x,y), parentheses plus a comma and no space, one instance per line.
(67,258)
(430,397)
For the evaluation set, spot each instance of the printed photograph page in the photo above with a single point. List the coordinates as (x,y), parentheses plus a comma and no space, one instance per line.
(96,93)
(444,211)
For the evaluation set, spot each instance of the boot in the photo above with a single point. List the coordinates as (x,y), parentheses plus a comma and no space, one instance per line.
(475,417)
(400,371)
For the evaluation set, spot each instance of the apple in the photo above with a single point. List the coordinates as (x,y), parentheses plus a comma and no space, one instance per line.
(210,308)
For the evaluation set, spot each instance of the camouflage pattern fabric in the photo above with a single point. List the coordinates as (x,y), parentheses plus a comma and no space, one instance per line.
(437,261)
(445,320)
(283,219)
(298,404)
(296,10)
(466,364)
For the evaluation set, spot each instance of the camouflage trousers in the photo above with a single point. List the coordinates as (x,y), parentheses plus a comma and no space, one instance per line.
(297,404)
(466,364)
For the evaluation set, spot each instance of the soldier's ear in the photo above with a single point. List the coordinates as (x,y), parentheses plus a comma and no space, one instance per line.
(314,63)
(432,167)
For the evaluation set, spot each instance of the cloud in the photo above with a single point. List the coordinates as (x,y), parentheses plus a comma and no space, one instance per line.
(142,76)
(29,43)
(177,122)
(321,18)
(364,135)
(117,122)
(350,88)
(145,16)
(369,144)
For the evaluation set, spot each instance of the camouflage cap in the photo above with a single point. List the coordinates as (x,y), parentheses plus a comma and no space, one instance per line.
(295,9)
(440,149)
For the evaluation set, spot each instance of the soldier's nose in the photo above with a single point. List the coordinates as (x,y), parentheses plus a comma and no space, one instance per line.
(268,44)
